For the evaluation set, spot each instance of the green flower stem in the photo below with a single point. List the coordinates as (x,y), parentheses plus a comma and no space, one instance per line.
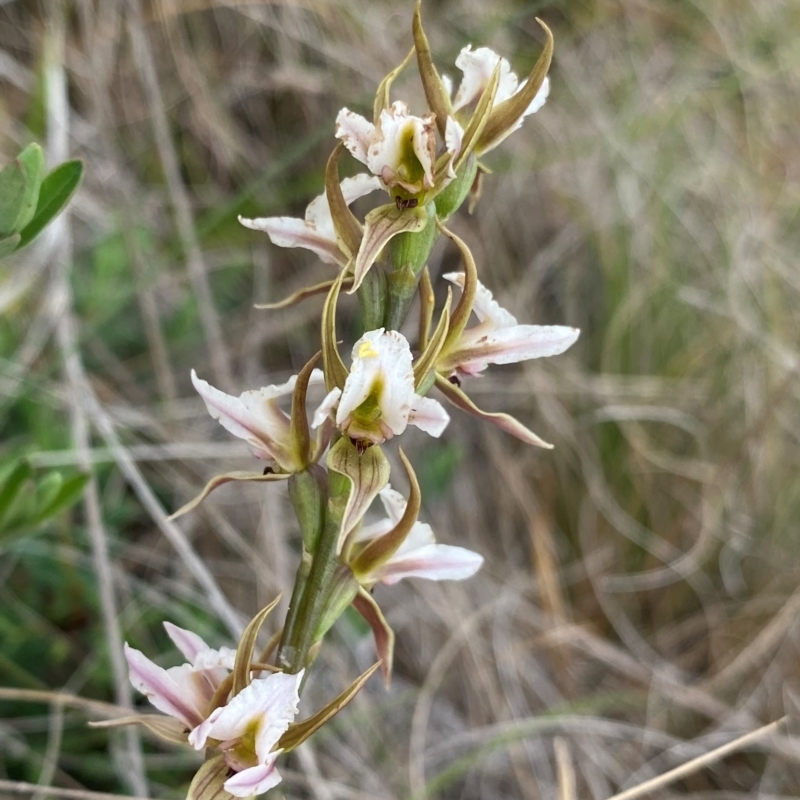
(300,636)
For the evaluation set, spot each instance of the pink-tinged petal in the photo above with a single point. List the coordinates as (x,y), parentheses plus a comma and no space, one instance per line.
(511,345)
(436,562)
(190,644)
(199,735)
(478,66)
(268,704)
(429,416)
(291,232)
(356,132)
(326,406)
(254,780)
(486,308)
(234,415)
(382,366)
(171,691)
(318,213)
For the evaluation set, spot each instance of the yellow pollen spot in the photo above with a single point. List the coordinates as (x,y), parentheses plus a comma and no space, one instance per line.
(366,350)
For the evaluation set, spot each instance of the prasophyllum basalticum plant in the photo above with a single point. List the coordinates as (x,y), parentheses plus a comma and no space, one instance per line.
(240,706)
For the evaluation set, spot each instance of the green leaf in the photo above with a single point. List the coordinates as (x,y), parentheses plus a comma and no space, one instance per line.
(9,244)
(68,493)
(32,159)
(57,188)
(12,195)
(11,488)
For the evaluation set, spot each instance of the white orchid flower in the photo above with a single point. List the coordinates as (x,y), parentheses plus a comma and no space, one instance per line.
(247,730)
(478,67)
(419,556)
(378,400)
(400,149)
(316,232)
(256,417)
(498,338)
(183,692)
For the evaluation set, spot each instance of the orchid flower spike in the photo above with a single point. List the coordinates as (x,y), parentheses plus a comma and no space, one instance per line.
(316,232)
(378,400)
(498,338)
(248,729)
(419,556)
(256,417)
(183,692)
(400,149)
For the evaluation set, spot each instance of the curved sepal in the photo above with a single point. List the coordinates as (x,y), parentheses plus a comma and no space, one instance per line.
(479,119)
(165,728)
(365,604)
(246,647)
(302,294)
(426,363)
(380,226)
(435,91)
(347,227)
(427,300)
(506,115)
(332,364)
(227,477)
(300,731)
(368,473)
(382,96)
(208,781)
(504,421)
(460,318)
(300,432)
(380,550)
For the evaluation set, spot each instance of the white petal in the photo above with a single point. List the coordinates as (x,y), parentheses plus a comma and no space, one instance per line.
(420,535)
(428,415)
(393,503)
(478,66)
(540,97)
(267,704)
(359,186)
(254,780)
(291,232)
(453,137)
(486,308)
(356,132)
(211,659)
(447,82)
(435,562)
(381,364)
(326,406)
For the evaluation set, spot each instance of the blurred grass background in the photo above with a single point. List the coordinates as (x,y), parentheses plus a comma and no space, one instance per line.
(639,602)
